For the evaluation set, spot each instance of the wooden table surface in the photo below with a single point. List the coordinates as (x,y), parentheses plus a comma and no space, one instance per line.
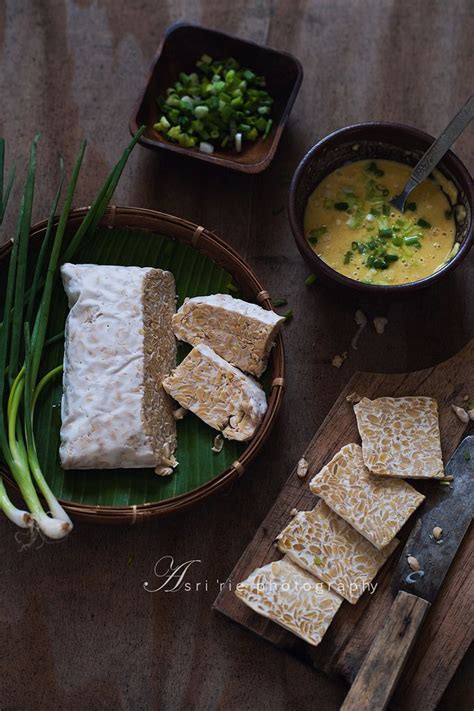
(78,629)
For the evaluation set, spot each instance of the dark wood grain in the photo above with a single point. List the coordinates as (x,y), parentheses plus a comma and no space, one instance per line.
(381,669)
(351,634)
(78,631)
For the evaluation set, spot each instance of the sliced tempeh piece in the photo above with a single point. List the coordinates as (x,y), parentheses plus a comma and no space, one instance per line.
(218,393)
(241,333)
(291,597)
(119,345)
(328,547)
(375,506)
(400,436)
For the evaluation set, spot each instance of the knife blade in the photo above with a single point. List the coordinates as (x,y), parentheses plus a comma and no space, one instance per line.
(452,509)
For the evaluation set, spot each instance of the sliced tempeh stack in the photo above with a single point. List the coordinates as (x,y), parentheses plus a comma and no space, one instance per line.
(286,594)
(119,345)
(241,333)
(377,507)
(400,437)
(221,395)
(335,549)
(328,547)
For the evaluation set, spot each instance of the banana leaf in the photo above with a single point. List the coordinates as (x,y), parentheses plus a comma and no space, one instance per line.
(195,275)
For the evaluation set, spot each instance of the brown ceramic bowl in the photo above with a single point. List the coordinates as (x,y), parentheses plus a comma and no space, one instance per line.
(376,140)
(182,45)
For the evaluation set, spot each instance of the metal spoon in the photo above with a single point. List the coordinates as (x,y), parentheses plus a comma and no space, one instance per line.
(435,152)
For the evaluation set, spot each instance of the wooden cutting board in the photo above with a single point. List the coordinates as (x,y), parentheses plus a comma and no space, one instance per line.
(448,630)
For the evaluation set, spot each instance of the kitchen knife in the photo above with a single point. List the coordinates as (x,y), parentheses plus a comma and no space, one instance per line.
(450,508)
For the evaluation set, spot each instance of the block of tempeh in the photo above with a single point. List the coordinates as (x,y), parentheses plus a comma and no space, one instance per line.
(119,346)
(286,594)
(219,394)
(240,332)
(328,547)
(375,506)
(400,436)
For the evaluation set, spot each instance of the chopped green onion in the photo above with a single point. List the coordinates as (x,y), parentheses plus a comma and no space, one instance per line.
(386,209)
(410,206)
(341,205)
(467,456)
(268,129)
(423,223)
(391,258)
(385,232)
(412,241)
(348,257)
(448,214)
(355,221)
(376,262)
(162,125)
(219,104)
(375,170)
(279,302)
(201,111)
(310,279)
(186,103)
(315,234)
(289,315)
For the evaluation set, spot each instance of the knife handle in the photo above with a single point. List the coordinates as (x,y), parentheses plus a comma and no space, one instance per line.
(383,665)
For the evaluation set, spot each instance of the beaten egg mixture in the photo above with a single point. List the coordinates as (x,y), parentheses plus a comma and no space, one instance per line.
(351,225)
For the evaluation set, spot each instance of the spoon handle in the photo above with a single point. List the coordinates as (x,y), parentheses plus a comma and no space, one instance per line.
(437,150)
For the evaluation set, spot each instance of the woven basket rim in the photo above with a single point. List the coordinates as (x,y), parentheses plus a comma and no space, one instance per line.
(204,240)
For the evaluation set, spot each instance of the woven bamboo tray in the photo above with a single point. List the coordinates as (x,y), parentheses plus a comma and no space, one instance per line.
(220,253)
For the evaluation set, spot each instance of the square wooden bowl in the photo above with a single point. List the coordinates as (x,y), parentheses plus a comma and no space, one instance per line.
(182,46)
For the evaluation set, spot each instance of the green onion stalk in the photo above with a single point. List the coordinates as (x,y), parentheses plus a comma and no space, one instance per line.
(23,337)
(21,518)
